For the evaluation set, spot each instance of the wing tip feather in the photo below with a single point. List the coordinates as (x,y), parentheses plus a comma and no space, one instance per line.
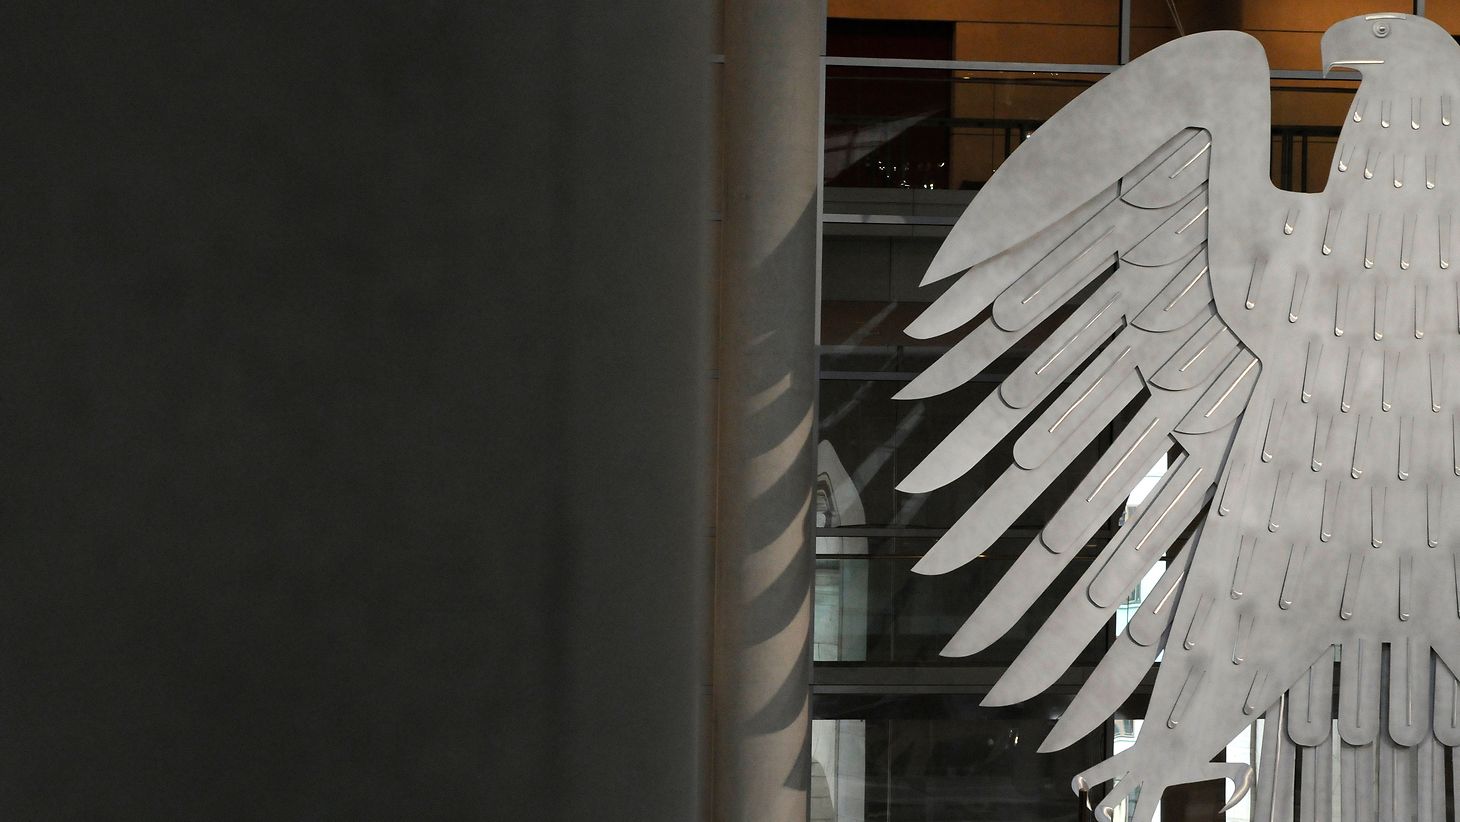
(935,563)
(1066,732)
(927,326)
(1052,743)
(973,638)
(941,269)
(1000,697)
(916,390)
(909,486)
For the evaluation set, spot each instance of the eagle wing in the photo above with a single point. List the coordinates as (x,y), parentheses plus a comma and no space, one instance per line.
(1111,198)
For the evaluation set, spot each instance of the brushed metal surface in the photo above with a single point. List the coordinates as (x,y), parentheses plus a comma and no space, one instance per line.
(1293,349)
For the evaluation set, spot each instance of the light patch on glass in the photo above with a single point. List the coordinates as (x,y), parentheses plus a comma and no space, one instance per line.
(1148,482)
(1126,731)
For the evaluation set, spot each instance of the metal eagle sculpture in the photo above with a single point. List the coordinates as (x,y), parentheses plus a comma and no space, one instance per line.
(1297,352)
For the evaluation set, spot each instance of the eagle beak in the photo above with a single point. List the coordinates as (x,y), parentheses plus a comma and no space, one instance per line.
(1345,45)
(1326,51)
(1349,65)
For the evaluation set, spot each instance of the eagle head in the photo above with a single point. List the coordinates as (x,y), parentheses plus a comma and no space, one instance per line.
(1369,42)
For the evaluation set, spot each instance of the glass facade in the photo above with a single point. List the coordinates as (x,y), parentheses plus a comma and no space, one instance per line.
(924,99)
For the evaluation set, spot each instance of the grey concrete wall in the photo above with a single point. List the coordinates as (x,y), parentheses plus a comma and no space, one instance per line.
(353,409)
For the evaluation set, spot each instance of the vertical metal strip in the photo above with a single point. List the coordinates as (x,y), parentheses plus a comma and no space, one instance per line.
(1124,56)
(1348,799)
(1267,762)
(1308,786)
(1366,774)
(820,203)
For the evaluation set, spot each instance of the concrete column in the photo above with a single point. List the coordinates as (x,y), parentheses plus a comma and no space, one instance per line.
(766,460)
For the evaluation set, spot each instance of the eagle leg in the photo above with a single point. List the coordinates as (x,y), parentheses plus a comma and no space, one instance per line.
(1128,778)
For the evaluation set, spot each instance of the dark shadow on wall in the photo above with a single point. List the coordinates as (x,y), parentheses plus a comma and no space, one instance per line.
(353,410)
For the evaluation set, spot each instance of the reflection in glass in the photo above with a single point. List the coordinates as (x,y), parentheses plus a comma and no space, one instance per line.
(941,758)
(1127,609)
(896,137)
(838,770)
(1246,747)
(931,129)
(1126,731)
(892,615)
(880,440)
(841,588)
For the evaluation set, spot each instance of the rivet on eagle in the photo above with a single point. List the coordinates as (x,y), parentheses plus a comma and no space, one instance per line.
(1298,351)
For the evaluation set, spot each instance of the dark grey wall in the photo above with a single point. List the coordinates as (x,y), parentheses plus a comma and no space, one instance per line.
(353,378)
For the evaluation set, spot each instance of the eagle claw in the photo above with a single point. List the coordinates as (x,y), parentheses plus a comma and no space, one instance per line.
(1151,787)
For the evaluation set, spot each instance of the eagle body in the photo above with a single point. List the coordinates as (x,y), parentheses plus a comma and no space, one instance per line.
(1297,352)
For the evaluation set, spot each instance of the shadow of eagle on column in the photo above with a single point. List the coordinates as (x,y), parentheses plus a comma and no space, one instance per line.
(1298,352)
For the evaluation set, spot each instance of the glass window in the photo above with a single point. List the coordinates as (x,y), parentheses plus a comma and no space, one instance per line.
(1201,800)
(1127,610)
(941,758)
(887,128)
(873,609)
(930,129)
(877,441)
(891,118)
(918,143)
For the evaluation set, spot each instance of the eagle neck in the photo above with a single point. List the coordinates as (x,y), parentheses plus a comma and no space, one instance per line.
(1397,133)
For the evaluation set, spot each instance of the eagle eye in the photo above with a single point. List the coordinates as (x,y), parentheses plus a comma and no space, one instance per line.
(1381,29)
